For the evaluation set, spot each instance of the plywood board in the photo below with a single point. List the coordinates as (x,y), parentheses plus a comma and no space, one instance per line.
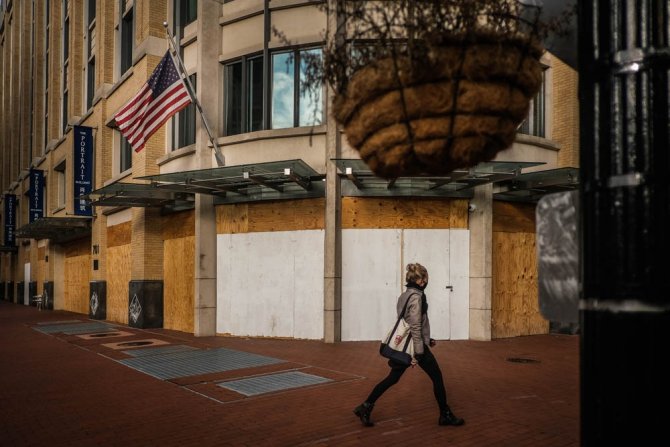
(119,234)
(376,212)
(371,282)
(178,225)
(118,277)
(270,284)
(513,217)
(459,279)
(285,215)
(178,289)
(78,248)
(77,283)
(515,310)
(430,248)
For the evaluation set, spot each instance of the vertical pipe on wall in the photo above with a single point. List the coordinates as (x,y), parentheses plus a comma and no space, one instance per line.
(625,195)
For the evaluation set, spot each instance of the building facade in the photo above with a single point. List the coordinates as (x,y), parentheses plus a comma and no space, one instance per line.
(287,234)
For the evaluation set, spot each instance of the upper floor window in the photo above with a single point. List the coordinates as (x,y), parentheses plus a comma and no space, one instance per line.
(66,63)
(535,123)
(183,124)
(289,103)
(126,24)
(244,95)
(90,52)
(60,185)
(47,33)
(292,104)
(125,154)
(185,12)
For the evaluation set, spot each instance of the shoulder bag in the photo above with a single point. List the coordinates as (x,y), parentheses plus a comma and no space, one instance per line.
(397,344)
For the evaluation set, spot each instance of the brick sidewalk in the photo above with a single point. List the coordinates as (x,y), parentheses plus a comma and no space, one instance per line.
(66,390)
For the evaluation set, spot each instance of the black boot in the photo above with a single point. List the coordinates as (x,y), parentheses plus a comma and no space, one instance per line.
(449,418)
(363,411)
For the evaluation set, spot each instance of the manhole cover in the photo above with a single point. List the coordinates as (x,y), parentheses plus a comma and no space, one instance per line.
(521,360)
(107,334)
(136,343)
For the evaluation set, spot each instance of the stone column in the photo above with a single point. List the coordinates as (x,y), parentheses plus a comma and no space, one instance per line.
(204,318)
(332,268)
(481,244)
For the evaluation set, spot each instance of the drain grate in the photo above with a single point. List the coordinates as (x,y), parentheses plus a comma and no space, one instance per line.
(273,382)
(521,360)
(193,363)
(49,323)
(131,344)
(159,351)
(110,334)
(75,329)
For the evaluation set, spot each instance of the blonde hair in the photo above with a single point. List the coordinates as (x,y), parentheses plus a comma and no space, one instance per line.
(415,272)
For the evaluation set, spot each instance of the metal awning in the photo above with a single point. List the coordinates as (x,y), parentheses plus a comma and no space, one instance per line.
(276,180)
(358,180)
(140,195)
(532,186)
(57,229)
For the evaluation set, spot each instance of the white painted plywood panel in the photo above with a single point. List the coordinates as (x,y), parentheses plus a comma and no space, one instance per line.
(308,284)
(459,261)
(370,282)
(431,249)
(271,284)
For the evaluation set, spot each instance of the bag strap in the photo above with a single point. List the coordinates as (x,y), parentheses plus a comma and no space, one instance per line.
(402,314)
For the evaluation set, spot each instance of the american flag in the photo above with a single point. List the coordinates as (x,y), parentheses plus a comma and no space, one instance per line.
(163,95)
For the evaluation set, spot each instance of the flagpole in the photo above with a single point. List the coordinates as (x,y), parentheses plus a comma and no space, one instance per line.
(220,160)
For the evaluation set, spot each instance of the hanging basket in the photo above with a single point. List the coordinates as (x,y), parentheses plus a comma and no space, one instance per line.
(458,106)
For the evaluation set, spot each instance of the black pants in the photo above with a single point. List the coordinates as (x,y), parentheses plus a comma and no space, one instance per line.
(428,364)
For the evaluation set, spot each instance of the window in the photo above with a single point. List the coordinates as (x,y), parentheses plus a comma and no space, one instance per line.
(535,123)
(66,63)
(47,26)
(32,82)
(292,104)
(289,102)
(185,12)
(127,34)
(60,185)
(125,154)
(244,111)
(90,53)
(183,124)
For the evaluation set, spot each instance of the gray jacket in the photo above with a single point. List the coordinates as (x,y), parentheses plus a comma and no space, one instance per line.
(418,324)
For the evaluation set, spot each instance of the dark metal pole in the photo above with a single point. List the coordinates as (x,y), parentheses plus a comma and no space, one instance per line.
(624,60)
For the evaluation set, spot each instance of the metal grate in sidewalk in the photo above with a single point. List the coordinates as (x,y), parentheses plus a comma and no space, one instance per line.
(193,363)
(273,382)
(145,352)
(75,328)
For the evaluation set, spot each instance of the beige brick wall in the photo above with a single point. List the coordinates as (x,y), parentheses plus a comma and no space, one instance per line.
(565,113)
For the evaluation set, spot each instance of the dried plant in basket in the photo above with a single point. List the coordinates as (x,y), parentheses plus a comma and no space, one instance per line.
(429,86)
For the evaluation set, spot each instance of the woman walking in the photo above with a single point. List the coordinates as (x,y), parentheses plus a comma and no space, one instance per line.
(416,315)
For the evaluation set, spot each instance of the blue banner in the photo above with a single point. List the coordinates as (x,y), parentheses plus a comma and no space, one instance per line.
(36,195)
(10,219)
(83,168)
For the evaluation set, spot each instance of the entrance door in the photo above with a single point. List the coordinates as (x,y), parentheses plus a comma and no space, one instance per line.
(373,275)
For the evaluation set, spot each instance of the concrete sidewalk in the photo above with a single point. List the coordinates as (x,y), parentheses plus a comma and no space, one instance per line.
(77,389)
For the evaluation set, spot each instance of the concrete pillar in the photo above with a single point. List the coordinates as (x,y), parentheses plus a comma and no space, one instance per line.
(481,242)
(332,268)
(204,318)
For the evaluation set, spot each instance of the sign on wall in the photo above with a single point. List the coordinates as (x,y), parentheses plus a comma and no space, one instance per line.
(10,219)
(36,195)
(83,169)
